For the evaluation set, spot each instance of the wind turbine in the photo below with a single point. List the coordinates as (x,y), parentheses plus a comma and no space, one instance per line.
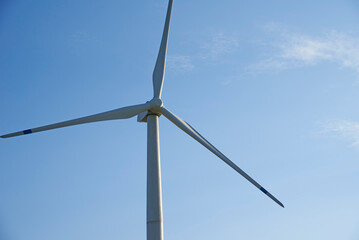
(150,112)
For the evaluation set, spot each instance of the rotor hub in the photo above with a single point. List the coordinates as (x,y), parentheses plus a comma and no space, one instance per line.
(156,104)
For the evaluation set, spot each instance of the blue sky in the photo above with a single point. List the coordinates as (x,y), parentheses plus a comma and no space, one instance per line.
(273,85)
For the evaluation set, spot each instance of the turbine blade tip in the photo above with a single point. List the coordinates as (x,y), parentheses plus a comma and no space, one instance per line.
(6,136)
(15,134)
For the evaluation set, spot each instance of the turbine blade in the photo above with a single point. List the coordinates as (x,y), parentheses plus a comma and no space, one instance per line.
(120,113)
(159,71)
(194,134)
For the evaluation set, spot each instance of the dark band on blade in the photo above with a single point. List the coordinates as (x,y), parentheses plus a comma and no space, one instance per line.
(27,131)
(263,190)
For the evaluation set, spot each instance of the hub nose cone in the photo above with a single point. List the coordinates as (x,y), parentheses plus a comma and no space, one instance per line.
(156,102)
(156,105)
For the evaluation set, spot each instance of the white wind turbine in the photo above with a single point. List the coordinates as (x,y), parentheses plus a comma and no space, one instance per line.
(150,112)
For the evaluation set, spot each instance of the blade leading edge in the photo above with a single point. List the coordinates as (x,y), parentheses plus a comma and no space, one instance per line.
(194,134)
(120,113)
(159,71)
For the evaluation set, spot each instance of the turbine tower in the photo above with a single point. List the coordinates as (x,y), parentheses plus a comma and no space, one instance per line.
(150,112)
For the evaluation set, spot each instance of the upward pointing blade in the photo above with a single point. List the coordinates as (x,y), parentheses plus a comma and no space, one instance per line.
(120,113)
(159,71)
(198,137)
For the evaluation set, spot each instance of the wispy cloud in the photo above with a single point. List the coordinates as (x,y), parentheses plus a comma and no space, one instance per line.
(209,49)
(181,63)
(79,37)
(219,44)
(294,50)
(344,129)
(80,40)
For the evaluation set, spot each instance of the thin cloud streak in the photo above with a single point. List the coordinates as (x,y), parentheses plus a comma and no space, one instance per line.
(296,50)
(213,48)
(220,44)
(180,63)
(344,129)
